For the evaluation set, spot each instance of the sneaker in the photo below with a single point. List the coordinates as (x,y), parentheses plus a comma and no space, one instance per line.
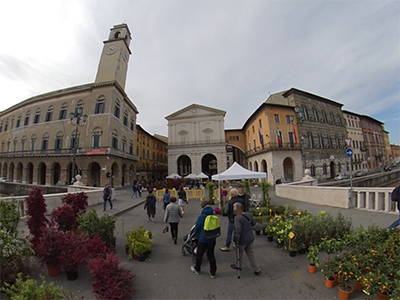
(194,270)
(257,273)
(211,275)
(225,249)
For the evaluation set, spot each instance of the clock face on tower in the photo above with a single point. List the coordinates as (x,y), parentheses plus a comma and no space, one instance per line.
(111,49)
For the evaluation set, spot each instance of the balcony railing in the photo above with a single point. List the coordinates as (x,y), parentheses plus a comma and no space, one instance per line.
(273,146)
(63,152)
(201,142)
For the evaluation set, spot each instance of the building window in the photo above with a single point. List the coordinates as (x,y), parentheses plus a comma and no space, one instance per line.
(23,145)
(1,127)
(132,125)
(310,140)
(332,118)
(63,113)
(329,141)
(148,154)
(321,140)
(325,169)
(96,139)
(18,123)
(339,120)
(313,170)
(49,116)
(6,126)
(33,141)
(123,146)
(288,120)
(36,118)
(45,144)
(137,151)
(143,140)
(117,110)
(254,144)
(276,117)
(260,123)
(143,153)
(26,122)
(74,142)
(305,112)
(279,138)
(131,149)
(337,141)
(58,143)
(125,120)
(253,128)
(115,141)
(8,146)
(315,114)
(324,119)
(79,110)
(99,108)
(15,146)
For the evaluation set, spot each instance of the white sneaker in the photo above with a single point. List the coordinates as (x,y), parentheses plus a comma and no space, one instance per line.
(194,270)
(225,249)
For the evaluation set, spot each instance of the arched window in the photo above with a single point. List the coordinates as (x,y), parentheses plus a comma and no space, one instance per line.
(315,114)
(324,118)
(115,139)
(332,118)
(329,141)
(58,141)
(310,140)
(96,137)
(99,107)
(339,120)
(312,170)
(320,140)
(305,112)
(325,169)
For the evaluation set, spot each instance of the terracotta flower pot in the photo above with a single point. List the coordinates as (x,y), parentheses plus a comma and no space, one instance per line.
(312,269)
(344,293)
(381,296)
(330,282)
(53,270)
(358,287)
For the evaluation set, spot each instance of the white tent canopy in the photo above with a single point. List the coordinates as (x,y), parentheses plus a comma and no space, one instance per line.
(173,176)
(236,171)
(191,176)
(202,175)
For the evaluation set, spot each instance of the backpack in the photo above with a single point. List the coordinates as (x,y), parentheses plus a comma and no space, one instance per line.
(211,227)
(396,194)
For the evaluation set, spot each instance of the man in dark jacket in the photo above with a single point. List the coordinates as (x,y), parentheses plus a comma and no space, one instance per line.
(396,198)
(204,245)
(244,236)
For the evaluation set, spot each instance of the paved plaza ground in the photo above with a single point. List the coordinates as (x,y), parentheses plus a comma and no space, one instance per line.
(166,274)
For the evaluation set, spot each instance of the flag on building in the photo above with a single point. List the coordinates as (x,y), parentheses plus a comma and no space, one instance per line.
(278,137)
(295,136)
(261,137)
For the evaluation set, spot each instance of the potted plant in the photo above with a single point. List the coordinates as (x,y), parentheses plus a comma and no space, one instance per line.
(74,252)
(78,202)
(313,259)
(27,288)
(49,249)
(139,243)
(64,217)
(258,228)
(96,247)
(346,274)
(36,210)
(110,279)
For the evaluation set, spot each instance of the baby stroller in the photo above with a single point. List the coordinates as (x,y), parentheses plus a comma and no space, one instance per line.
(190,244)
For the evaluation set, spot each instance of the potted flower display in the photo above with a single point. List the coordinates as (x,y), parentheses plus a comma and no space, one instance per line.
(313,260)
(139,243)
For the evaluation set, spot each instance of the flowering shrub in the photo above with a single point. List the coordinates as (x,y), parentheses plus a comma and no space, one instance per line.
(36,209)
(96,247)
(74,249)
(64,217)
(110,280)
(49,247)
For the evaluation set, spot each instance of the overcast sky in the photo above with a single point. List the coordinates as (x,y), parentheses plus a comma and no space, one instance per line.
(225,54)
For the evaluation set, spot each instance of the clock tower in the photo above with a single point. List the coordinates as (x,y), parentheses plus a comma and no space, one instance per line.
(114,58)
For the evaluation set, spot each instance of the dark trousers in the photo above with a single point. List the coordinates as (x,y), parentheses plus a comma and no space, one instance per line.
(209,249)
(174,230)
(105,203)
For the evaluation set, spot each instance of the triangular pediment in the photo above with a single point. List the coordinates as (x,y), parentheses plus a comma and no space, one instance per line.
(195,111)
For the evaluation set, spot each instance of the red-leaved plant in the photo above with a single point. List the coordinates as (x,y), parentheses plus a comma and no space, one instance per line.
(110,280)
(64,217)
(77,201)
(36,209)
(74,250)
(49,247)
(96,247)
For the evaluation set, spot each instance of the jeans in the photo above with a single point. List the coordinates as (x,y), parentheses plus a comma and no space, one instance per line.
(105,204)
(174,230)
(209,249)
(250,254)
(395,223)
(229,235)
(134,193)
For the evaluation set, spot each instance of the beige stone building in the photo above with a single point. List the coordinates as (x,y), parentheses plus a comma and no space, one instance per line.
(153,156)
(39,141)
(196,141)
(357,145)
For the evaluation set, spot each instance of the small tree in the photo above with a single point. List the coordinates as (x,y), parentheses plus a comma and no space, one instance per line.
(64,217)
(265,186)
(77,201)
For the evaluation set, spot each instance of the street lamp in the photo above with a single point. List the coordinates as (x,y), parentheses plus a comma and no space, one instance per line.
(77,120)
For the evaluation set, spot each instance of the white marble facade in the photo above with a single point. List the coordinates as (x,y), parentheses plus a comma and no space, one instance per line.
(196,133)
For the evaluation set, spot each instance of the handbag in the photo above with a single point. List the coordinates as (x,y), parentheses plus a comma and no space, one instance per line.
(166,228)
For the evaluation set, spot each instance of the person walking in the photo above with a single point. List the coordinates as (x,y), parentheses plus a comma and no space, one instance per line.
(139,189)
(182,199)
(244,237)
(204,245)
(134,190)
(172,215)
(396,198)
(107,196)
(150,204)
(233,198)
(166,198)
(242,195)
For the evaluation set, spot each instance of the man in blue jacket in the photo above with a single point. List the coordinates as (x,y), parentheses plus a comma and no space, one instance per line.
(204,244)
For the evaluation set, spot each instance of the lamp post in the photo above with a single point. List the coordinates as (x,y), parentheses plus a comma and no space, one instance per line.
(77,120)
